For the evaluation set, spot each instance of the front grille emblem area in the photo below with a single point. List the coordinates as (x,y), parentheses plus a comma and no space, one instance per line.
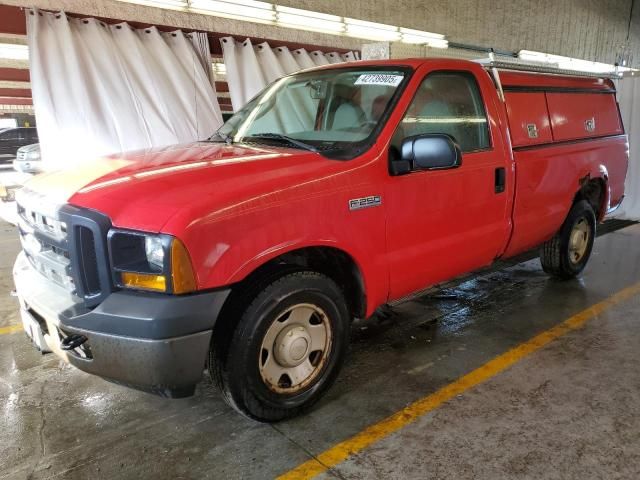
(365,202)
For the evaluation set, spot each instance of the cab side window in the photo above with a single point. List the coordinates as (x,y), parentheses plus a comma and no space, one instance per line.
(10,135)
(448,103)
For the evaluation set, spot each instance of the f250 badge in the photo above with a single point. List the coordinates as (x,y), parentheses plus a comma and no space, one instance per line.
(358,203)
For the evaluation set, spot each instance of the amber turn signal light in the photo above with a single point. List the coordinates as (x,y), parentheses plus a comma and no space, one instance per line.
(182,276)
(147,281)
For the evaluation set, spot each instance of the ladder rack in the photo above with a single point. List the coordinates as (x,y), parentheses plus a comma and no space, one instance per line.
(527,67)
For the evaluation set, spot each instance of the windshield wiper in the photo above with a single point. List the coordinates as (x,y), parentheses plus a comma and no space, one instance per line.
(224,137)
(284,138)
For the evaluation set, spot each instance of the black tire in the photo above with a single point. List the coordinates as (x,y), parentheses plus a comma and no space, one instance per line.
(555,255)
(235,367)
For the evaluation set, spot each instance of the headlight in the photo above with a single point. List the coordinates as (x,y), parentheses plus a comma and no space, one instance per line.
(150,262)
(33,156)
(154,250)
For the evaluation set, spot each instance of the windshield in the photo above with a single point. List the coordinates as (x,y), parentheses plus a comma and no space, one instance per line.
(319,110)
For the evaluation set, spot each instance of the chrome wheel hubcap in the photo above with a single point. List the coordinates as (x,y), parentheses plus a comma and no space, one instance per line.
(579,240)
(295,348)
(292,345)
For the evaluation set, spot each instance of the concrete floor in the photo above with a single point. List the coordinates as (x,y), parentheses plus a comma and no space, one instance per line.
(569,411)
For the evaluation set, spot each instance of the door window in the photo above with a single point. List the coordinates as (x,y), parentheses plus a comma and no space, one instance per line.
(448,103)
(9,135)
(32,135)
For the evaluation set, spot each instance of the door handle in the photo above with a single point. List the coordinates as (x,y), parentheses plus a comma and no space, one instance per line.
(500,179)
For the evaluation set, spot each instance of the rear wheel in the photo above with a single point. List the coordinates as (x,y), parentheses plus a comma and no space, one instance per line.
(568,252)
(286,349)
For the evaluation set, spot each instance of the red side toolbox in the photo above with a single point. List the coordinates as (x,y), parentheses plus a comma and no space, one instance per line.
(583,115)
(528,118)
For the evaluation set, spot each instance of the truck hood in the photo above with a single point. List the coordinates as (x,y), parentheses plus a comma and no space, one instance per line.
(144,189)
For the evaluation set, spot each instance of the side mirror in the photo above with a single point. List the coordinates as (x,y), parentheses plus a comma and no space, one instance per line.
(430,151)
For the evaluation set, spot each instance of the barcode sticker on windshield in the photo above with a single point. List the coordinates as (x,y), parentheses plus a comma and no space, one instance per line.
(379,79)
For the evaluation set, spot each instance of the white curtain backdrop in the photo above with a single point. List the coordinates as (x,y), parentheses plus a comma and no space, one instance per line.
(100,89)
(250,67)
(629,100)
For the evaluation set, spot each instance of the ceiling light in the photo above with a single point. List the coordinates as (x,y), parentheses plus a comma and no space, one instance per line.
(371,30)
(431,42)
(14,51)
(437,43)
(434,40)
(308,20)
(569,63)
(308,13)
(289,17)
(419,33)
(219,68)
(313,25)
(363,23)
(372,34)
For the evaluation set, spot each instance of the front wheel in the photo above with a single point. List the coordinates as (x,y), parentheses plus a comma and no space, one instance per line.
(568,252)
(286,349)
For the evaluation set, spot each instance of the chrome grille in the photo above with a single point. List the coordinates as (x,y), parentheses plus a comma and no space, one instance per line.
(45,223)
(66,244)
(44,238)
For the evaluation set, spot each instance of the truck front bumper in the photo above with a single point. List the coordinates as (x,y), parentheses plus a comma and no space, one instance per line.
(152,342)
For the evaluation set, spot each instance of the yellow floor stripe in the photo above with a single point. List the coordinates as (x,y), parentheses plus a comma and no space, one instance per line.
(413,412)
(10,329)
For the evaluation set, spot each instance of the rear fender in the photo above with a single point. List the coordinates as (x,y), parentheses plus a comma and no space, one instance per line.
(600,173)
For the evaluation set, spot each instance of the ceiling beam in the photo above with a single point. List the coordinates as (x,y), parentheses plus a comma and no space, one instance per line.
(12,21)
(15,101)
(221,87)
(15,92)
(14,74)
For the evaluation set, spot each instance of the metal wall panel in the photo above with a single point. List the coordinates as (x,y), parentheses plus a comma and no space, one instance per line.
(588,29)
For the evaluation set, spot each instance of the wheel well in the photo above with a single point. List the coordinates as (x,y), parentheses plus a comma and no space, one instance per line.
(593,191)
(332,262)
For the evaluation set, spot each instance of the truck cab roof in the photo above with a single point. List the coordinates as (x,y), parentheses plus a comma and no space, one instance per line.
(511,77)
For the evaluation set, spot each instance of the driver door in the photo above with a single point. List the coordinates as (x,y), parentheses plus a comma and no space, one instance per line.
(442,223)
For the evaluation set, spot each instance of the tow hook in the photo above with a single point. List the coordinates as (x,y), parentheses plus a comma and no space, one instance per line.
(72,342)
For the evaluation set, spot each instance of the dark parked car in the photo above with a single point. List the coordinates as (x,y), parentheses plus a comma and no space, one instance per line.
(28,159)
(14,138)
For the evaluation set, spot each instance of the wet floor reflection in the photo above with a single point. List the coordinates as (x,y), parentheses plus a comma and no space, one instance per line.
(405,352)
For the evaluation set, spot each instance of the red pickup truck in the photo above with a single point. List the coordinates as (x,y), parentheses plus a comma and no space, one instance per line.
(332,192)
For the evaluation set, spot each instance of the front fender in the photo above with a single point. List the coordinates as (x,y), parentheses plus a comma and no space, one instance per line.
(228,250)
